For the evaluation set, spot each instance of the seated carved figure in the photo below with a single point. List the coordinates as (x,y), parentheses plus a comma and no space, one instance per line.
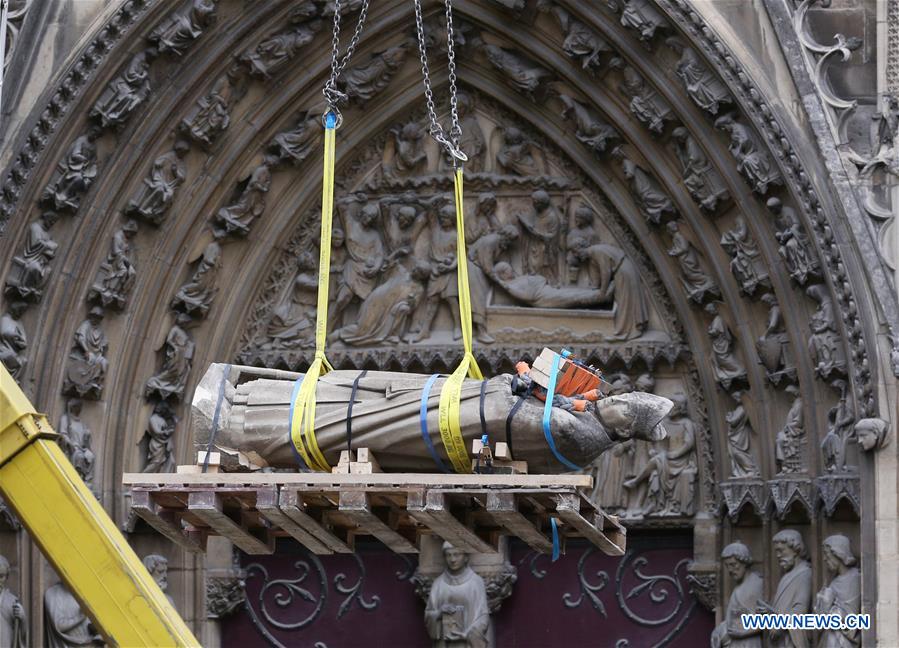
(253,419)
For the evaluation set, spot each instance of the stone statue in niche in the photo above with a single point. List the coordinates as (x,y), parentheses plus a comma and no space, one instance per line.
(365,251)
(160,444)
(126,92)
(581,43)
(729,371)
(516,154)
(409,156)
(645,103)
(158,566)
(195,297)
(292,322)
(795,247)
(840,422)
(739,440)
(13,341)
(591,129)
(13,624)
(704,88)
(457,615)
(774,346)
(473,142)
(752,161)
(701,180)
(86,369)
(641,16)
(651,200)
(542,227)
(249,204)
(794,590)
(843,595)
(30,270)
(789,444)
(871,433)
(825,345)
(671,470)
(535,290)
(611,271)
(749,589)
(747,264)
(295,145)
(583,234)
(524,75)
(74,175)
(65,624)
(211,115)
(171,380)
(363,82)
(696,282)
(75,441)
(176,33)
(116,275)
(153,200)
(275,51)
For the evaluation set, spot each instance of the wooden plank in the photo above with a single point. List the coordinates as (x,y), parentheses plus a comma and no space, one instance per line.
(165,521)
(568,509)
(503,508)
(430,508)
(356,506)
(267,505)
(291,505)
(208,506)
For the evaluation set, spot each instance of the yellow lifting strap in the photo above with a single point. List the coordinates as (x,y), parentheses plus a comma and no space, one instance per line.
(449,412)
(302,410)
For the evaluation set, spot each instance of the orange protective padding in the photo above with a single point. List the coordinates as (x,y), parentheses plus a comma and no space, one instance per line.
(523,368)
(592,395)
(573,380)
(579,405)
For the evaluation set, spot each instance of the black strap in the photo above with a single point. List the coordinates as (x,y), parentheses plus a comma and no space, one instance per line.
(481,407)
(349,411)
(509,418)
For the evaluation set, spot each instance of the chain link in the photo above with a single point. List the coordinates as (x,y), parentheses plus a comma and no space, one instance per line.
(332,95)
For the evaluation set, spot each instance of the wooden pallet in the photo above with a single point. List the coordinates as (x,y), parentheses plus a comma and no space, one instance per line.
(326,512)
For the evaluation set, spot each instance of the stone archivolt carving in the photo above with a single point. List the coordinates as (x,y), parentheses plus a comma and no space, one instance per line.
(275,51)
(791,440)
(362,82)
(117,274)
(177,32)
(795,248)
(126,92)
(704,88)
(840,431)
(645,103)
(211,115)
(160,447)
(30,270)
(581,43)
(75,440)
(695,280)
(753,161)
(195,297)
(702,181)
(825,345)
(743,599)
(87,365)
(517,153)
(729,371)
(294,146)
(522,73)
(747,264)
(409,156)
(651,199)
(75,174)
(774,345)
(641,16)
(592,131)
(13,340)
(13,623)
(739,440)
(248,204)
(171,379)
(152,201)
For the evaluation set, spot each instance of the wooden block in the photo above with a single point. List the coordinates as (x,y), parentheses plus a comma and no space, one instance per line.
(341,469)
(292,506)
(501,451)
(215,458)
(346,456)
(208,506)
(366,464)
(568,510)
(165,521)
(430,508)
(476,446)
(356,506)
(188,469)
(267,505)
(503,508)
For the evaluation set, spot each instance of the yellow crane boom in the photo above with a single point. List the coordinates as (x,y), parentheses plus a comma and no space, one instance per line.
(75,533)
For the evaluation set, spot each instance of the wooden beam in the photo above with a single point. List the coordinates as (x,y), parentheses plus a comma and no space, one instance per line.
(291,505)
(267,505)
(208,506)
(165,521)
(430,508)
(356,506)
(568,509)
(503,508)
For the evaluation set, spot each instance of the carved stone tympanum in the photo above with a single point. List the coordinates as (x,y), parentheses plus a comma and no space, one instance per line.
(13,624)
(457,613)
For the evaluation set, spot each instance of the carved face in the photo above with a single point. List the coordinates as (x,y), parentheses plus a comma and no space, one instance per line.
(456,559)
(786,556)
(736,568)
(831,561)
(4,574)
(161,575)
(635,415)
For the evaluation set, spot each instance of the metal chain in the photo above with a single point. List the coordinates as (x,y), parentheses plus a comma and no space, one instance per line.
(332,95)
(449,142)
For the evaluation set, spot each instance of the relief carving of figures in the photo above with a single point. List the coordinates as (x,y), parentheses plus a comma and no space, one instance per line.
(649,196)
(748,590)
(292,322)
(152,201)
(840,422)
(524,75)
(75,441)
(696,281)
(13,341)
(13,624)
(176,33)
(516,154)
(701,84)
(670,473)
(171,380)
(591,129)
(542,227)
(30,270)
(871,433)
(794,590)
(774,346)
(825,345)
(365,252)
(582,234)
(210,116)
(641,16)
(789,444)
(457,614)
(409,156)
(842,595)
(752,161)
(74,175)
(295,145)
(535,290)
(739,440)
(126,92)
(473,141)
(795,247)
(65,624)
(701,180)
(363,82)
(485,220)
(747,264)
(646,104)
(116,276)
(404,219)
(581,43)
(729,371)
(248,205)
(195,297)
(277,50)
(160,444)
(86,369)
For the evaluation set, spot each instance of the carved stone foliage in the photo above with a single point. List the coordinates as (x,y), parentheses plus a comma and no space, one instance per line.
(790,443)
(177,32)
(13,340)
(116,275)
(592,130)
(158,443)
(581,43)
(74,176)
(795,247)
(31,268)
(825,347)
(747,264)
(87,363)
(646,104)
(171,379)
(753,161)
(697,283)
(651,199)
(703,586)
(774,349)
(195,297)
(276,50)
(728,369)
(224,594)
(126,92)
(641,16)
(362,82)
(703,182)
(153,200)
(523,74)
(704,87)
(248,204)
(75,440)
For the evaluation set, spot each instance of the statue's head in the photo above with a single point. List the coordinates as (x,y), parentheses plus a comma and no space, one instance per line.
(508,235)
(871,433)
(540,199)
(412,131)
(583,216)
(158,566)
(456,559)
(838,553)
(487,202)
(672,227)
(636,415)
(306,261)
(513,136)
(73,406)
(645,383)
(4,571)
(50,218)
(17,309)
(737,559)
(406,216)
(789,548)
(421,272)
(629,168)
(774,205)
(680,405)
(769,299)
(446,216)
(95,315)
(504,271)
(369,214)
(679,134)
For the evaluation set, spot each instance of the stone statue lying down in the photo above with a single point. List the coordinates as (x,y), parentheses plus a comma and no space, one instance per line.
(254,419)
